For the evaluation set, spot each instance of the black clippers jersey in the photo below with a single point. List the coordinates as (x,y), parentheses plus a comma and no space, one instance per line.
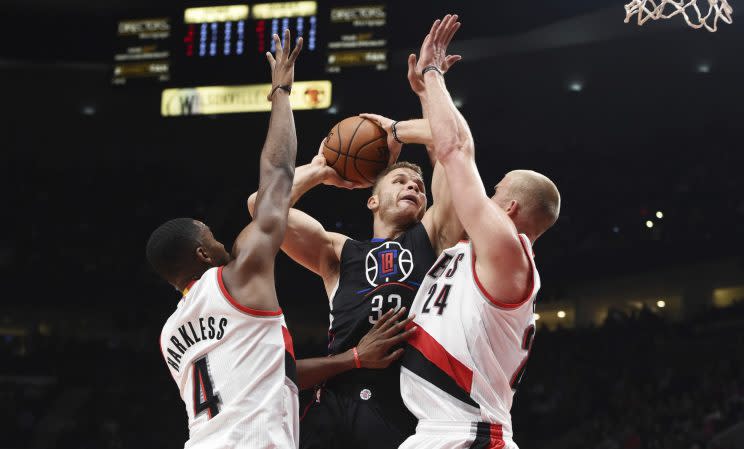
(376,276)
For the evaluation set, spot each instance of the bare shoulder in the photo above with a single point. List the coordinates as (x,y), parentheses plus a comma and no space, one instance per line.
(504,274)
(247,288)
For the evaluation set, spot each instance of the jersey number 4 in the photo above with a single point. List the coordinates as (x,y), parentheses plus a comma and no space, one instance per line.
(204,397)
(527,339)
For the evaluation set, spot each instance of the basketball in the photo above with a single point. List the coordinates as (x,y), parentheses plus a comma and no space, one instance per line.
(357,149)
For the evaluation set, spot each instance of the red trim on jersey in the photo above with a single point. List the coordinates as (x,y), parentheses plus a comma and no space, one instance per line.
(307,409)
(435,353)
(288,345)
(497,437)
(239,306)
(188,287)
(496,302)
(390,283)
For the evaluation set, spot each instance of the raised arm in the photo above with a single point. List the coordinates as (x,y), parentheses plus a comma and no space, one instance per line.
(306,241)
(249,277)
(501,264)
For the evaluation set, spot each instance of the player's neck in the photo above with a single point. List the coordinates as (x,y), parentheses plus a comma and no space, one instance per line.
(387,231)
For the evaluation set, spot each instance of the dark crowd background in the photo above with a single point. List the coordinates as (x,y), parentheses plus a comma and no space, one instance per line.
(627,122)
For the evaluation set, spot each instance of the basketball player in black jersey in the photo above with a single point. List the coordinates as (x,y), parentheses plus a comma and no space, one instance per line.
(356,406)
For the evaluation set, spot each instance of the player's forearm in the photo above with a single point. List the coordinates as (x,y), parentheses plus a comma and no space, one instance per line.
(443,117)
(314,371)
(306,177)
(414,131)
(277,157)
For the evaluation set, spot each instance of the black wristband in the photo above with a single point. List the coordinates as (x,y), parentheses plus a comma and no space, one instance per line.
(395,133)
(285,88)
(429,68)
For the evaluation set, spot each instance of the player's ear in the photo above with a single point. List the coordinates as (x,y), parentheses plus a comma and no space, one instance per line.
(512,208)
(203,256)
(373,202)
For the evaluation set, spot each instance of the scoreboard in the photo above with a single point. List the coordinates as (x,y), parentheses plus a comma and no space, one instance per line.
(226,43)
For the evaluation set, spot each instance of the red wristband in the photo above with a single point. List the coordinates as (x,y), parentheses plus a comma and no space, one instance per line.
(357,362)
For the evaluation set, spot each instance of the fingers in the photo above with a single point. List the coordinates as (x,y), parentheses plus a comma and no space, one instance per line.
(277,46)
(383,319)
(450,32)
(449,61)
(412,68)
(392,319)
(411,64)
(395,355)
(374,117)
(285,44)
(270,58)
(442,28)
(403,336)
(398,327)
(296,51)
(434,27)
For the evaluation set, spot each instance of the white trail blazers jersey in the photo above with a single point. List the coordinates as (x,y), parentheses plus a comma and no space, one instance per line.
(465,360)
(235,369)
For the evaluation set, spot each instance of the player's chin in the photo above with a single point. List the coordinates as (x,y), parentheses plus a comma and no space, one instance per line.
(409,214)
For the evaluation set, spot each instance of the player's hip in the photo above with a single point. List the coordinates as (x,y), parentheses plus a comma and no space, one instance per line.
(439,434)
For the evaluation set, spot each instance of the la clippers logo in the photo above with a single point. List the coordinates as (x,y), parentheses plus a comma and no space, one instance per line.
(389,262)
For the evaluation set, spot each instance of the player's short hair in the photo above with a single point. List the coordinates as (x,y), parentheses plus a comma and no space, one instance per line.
(539,196)
(401,164)
(171,247)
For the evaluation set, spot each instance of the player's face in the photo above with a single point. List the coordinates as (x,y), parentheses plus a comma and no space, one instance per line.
(402,196)
(216,250)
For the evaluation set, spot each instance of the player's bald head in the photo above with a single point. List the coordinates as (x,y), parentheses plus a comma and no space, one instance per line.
(538,199)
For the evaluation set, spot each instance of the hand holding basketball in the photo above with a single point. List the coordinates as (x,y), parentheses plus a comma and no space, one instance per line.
(357,149)
(328,175)
(387,125)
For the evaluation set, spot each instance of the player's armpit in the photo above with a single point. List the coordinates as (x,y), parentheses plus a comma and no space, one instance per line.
(310,245)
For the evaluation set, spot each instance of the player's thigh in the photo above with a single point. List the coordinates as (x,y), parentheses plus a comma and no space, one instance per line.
(429,441)
(377,426)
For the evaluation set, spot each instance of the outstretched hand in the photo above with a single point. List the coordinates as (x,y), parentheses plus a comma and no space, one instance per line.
(282,67)
(388,332)
(434,52)
(387,125)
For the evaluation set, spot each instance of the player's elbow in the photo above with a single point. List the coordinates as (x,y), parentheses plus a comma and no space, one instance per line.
(445,149)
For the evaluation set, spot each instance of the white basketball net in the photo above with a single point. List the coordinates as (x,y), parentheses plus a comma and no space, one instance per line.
(665,9)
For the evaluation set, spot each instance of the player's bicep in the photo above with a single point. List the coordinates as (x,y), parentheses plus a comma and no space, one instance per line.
(441,220)
(309,244)
(486,224)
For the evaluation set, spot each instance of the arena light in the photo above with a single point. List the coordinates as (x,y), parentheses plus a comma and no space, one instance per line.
(659,214)
(661,303)
(703,68)
(229,13)
(537,316)
(576,86)
(649,224)
(561,314)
